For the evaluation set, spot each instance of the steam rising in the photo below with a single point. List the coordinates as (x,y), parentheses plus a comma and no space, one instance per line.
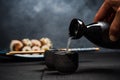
(43,18)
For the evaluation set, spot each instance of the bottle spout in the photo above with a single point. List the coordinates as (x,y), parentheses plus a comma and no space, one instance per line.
(76,28)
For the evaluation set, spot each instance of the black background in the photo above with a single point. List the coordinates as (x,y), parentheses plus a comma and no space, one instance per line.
(44,18)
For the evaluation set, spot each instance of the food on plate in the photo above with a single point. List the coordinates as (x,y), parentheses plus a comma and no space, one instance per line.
(36,42)
(16,45)
(35,48)
(45,47)
(27,42)
(46,41)
(26,48)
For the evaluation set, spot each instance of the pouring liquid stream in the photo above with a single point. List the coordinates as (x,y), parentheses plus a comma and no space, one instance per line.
(79,49)
(68,44)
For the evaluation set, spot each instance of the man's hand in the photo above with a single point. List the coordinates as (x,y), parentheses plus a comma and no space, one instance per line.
(110,12)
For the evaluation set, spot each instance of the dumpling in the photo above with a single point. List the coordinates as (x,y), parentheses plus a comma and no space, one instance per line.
(16,45)
(26,48)
(27,42)
(36,42)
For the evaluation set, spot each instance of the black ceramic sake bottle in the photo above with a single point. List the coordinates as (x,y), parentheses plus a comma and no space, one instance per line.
(98,33)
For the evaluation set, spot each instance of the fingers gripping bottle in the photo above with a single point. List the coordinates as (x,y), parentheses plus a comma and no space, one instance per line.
(97,33)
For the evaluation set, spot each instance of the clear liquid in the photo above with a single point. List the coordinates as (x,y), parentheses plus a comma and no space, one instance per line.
(68,44)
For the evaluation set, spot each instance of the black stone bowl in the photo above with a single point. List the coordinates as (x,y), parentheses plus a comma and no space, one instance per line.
(62,61)
(49,59)
(66,62)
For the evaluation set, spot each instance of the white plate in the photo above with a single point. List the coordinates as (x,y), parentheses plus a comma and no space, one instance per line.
(30,55)
(27,54)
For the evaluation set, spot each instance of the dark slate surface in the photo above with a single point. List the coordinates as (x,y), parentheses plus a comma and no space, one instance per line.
(101,65)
